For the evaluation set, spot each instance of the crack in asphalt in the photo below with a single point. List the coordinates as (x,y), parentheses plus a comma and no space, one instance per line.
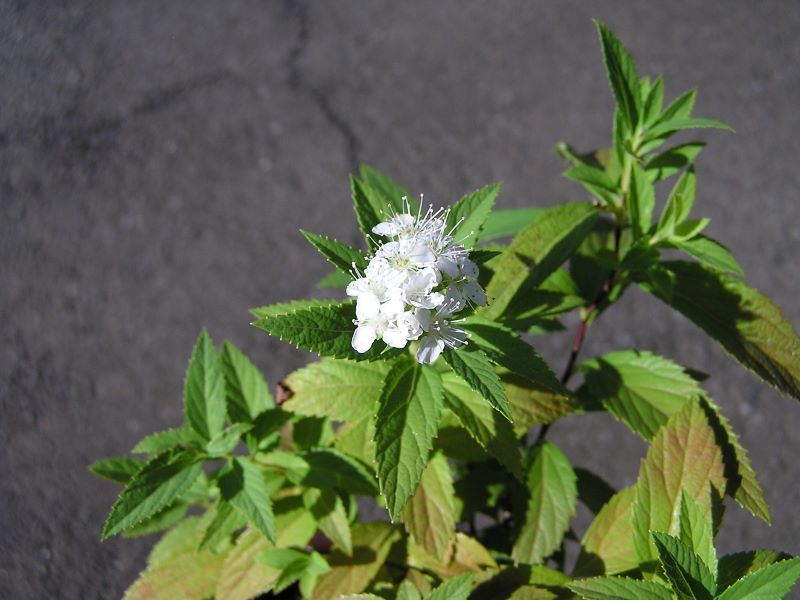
(299,13)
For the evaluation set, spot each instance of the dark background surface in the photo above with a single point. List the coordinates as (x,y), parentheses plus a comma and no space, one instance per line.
(159,158)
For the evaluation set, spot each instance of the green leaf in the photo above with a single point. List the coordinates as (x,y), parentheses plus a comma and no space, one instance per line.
(653,102)
(678,206)
(746,323)
(329,468)
(294,523)
(242,576)
(607,546)
(246,391)
(389,192)
(772,582)
(326,330)
(457,588)
(335,279)
(681,107)
(406,423)
(743,485)
(733,567)
(686,572)
(407,591)
(536,252)
(486,425)
(153,487)
(476,370)
(505,223)
(328,509)
(552,497)
(119,470)
(282,308)
(176,570)
(671,161)
(350,575)
(619,588)
(340,255)
(294,565)
(709,252)
(505,348)
(158,442)
(640,202)
(697,533)
(204,390)
(596,181)
(339,389)
(226,441)
(532,404)
(430,515)
(683,457)
(622,76)
(166,518)
(356,439)
(679,123)
(639,388)
(467,216)
(243,486)
(226,521)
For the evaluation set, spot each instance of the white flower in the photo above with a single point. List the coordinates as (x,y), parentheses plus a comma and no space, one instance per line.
(398,226)
(407,254)
(405,328)
(380,280)
(372,320)
(417,289)
(438,330)
(463,282)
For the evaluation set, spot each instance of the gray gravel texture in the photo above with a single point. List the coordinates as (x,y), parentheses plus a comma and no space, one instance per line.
(159,158)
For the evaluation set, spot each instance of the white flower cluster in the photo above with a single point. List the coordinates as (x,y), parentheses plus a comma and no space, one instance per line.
(414,286)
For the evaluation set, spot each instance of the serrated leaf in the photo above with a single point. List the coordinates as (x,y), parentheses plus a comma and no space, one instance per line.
(653,101)
(348,575)
(622,76)
(745,322)
(294,566)
(158,442)
(356,439)
(681,107)
(406,423)
(226,441)
(508,222)
(467,216)
(430,515)
(326,330)
(594,492)
(476,370)
(204,390)
(457,588)
(536,252)
(666,126)
(166,518)
(242,485)
(639,388)
(119,470)
(329,468)
(334,279)
(340,255)
(328,509)
(552,498)
(686,572)
(153,487)
(246,392)
(679,205)
(490,429)
(177,571)
(407,591)
(640,201)
(619,588)
(339,389)
(683,456)
(772,582)
(596,182)
(294,523)
(282,308)
(743,485)
(226,521)
(508,350)
(242,576)
(696,532)
(532,404)
(607,546)
(389,192)
(733,567)
(672,160)
(709,252)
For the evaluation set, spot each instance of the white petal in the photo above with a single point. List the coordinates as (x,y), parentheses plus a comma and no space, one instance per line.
(475,292)
(469,268)
(358,287)
(423,316)
(420,254)
(448,266)
(363,337)
(453,302)
(392,308)
(429,301)
(429,350)
(455,336)
(367,307)
(395,338)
